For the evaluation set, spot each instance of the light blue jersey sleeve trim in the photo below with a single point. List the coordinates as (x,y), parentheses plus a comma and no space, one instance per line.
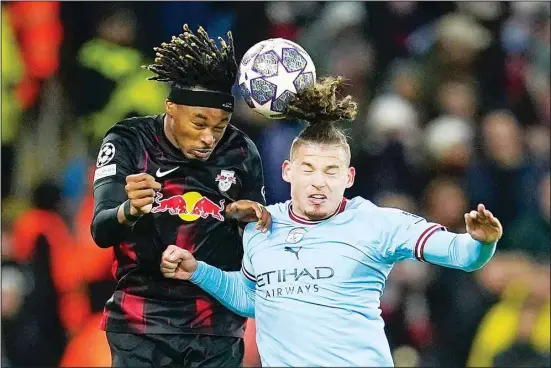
(458,251)
(234,290)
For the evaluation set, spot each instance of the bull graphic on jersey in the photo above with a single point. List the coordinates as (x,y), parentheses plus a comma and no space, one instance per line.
(189,206)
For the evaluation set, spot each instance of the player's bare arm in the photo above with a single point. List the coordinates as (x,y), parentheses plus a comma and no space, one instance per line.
(238,291)
(250,211)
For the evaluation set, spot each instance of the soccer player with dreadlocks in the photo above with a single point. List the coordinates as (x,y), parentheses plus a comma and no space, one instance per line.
(314,283)
(168,180)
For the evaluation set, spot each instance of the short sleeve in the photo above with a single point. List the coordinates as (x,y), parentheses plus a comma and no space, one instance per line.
(247,266)
(117,157)
(254,186)
(406,235)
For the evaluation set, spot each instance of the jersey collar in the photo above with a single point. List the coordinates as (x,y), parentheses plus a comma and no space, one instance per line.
(305,221)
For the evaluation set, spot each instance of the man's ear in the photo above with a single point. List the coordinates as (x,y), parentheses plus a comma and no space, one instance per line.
(351,176)
(286,171)
(170,107)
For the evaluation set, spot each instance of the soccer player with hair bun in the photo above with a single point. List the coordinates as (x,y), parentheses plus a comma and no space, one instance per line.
(168,180)
(314,282)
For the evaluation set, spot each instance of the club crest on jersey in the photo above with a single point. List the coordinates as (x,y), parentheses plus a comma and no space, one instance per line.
(295,235)
(225,179)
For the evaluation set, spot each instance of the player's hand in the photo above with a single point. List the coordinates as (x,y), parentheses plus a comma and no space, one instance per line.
(177,263)
(483,226)
(250,211)
(140,189)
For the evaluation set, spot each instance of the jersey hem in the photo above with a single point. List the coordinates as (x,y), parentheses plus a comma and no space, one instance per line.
(182,331)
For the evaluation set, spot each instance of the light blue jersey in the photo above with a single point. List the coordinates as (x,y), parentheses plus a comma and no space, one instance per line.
(314,287)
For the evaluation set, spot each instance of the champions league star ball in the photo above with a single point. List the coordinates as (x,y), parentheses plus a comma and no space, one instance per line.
(271,73)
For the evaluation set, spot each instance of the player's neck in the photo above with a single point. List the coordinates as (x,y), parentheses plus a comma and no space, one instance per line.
(305,220)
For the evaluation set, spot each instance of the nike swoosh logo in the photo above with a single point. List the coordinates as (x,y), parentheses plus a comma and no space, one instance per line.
(160,174)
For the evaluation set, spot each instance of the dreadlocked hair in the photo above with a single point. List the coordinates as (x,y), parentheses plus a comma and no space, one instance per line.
(320,109)
(194,60)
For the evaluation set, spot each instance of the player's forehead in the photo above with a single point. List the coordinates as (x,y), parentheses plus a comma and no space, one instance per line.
(321,155)
(207,115)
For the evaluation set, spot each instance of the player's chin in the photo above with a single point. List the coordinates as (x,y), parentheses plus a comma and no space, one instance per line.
(316,216)
(317,212)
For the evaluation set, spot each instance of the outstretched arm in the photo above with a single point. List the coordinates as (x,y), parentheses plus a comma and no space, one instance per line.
(470,251)
(459,251)
(234,290)
(415,238)
(231,289)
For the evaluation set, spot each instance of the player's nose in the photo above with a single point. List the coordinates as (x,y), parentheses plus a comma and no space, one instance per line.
(207,139)
(318,180)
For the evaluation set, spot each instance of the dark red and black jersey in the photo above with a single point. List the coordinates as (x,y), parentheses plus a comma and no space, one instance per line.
(189,211)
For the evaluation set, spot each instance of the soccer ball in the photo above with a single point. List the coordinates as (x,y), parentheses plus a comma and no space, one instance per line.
(271,73)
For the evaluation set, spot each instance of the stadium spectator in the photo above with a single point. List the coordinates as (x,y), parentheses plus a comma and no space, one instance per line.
(516,331)
(504,177)
(530,234)
(110,65)
(454,320)
(41,242)
(449,142)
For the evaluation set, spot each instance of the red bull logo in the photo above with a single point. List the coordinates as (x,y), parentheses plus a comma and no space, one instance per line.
(189,206)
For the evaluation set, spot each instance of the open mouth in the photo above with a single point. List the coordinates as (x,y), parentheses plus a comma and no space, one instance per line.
(317,198)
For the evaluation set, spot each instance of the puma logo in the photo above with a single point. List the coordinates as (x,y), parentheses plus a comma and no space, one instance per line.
(293,250)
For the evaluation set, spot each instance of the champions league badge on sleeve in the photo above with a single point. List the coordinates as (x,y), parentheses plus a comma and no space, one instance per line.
(106,154)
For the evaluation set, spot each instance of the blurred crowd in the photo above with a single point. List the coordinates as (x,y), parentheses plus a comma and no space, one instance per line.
(454,104)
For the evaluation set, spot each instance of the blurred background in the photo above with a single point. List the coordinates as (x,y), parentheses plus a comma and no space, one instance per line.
(455,111)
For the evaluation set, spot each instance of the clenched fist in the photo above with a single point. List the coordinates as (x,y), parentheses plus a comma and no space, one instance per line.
(141,189)
(177,263)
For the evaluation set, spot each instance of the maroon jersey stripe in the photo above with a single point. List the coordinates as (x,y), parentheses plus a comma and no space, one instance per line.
(203,312)
(184,239)
(128,250)
(114,268)
(133,309)
(146,161)
(171,189)
(104,319)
